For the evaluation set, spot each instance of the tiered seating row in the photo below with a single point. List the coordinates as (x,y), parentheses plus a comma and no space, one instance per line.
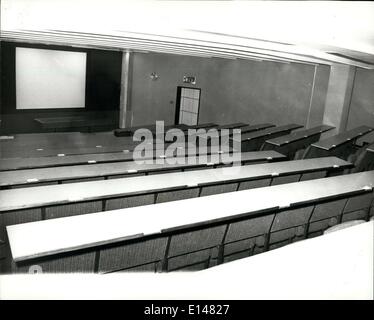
(364,159)
(203,232)
(94,171)
(253,141)
(49,202)
(189,183)
(225,138)
(125,155)
(341,145)
(76,122)
(195,233)
(299,140)
(70,143)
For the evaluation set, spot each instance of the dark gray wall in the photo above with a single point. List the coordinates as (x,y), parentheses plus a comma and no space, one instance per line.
(231,90)
(362,104)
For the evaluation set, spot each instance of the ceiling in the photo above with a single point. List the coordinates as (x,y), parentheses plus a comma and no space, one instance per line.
(296,31)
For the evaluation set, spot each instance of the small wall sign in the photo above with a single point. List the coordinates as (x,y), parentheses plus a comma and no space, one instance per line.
(189,79)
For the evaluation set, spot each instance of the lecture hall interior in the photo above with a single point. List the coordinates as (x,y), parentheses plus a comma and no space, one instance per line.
(227,146)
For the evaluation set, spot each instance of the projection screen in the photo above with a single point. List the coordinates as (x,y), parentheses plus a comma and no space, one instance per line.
(47,79)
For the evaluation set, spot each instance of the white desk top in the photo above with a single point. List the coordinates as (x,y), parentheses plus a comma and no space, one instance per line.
(335,266)
(37,239)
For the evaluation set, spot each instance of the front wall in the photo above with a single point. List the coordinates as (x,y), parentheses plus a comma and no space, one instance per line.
(232,90)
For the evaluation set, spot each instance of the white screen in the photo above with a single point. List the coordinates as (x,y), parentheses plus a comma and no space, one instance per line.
(48,79)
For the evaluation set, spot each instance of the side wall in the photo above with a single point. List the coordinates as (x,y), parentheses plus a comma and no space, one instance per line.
(362,102)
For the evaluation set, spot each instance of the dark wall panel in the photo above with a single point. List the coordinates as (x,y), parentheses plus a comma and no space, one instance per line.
(103,80)
(8,77)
